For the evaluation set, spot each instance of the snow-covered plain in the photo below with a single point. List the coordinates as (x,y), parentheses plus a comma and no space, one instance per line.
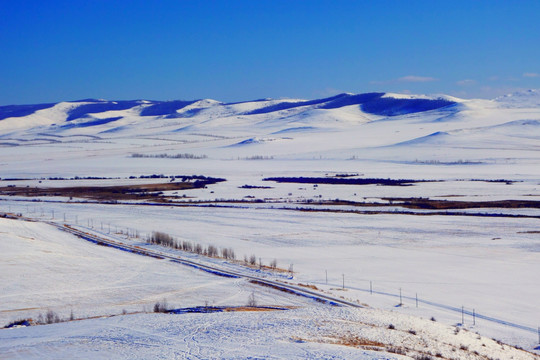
(489,264)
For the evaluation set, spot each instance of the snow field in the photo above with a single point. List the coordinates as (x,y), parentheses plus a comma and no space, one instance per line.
(52,270)
(483,263)
(313,332)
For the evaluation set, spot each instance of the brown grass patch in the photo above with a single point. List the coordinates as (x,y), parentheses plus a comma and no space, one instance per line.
(430,204)
(312,287)
(101,193)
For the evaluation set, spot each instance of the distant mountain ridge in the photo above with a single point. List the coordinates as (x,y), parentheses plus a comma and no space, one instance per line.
(372,103)
(345,125)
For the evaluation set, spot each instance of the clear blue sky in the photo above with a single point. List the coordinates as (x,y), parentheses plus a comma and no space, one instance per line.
(239,50)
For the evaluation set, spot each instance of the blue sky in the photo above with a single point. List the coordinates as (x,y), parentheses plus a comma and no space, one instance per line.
(241,50)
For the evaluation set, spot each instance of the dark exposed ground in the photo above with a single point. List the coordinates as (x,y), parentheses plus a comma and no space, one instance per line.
(106,193)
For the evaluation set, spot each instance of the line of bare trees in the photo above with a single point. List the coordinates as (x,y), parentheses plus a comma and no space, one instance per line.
(164,239)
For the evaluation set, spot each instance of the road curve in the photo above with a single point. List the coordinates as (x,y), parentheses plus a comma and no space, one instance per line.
(99,239)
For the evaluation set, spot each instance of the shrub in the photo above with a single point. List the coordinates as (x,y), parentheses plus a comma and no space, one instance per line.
(251,300)
(52,317)
(187,246)
(212,251)
(161,238)
(252,260)
(161,307)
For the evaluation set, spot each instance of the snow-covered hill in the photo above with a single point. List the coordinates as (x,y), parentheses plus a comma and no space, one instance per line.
(476,255)
(102,115)
(366,126)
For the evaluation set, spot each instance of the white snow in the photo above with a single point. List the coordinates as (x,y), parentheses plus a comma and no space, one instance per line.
(489,264)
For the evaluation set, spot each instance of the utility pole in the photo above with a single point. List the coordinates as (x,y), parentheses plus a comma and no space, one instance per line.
(343,275)
(370,287)
(462,315)
(473,317)
(416,299)
(326,271)
(400,298)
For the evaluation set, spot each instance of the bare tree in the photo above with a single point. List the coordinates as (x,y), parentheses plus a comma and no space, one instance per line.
(51,317)
(253,260)
(161,307)
(251,300)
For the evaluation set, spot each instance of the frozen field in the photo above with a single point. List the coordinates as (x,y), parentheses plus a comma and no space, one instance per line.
(455,260)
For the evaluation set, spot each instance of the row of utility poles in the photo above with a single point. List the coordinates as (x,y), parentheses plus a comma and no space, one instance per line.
(463,311)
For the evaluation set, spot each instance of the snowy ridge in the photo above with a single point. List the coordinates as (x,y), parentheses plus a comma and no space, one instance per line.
(521,99)
(460,232)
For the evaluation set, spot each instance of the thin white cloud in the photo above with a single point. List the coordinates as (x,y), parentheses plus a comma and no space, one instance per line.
(414,78)
(531,75)
(466,82)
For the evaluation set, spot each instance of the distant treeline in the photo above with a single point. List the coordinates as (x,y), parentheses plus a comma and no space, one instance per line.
(169,156)
(62,178)
(153,176)
(345,181)
(201,179)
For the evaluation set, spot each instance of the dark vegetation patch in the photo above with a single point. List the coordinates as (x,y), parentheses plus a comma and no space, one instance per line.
(396,212)
(346,181)
(254,187)
(430,204)
(153,176)
(111,193)
(507,182)
(169,156)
